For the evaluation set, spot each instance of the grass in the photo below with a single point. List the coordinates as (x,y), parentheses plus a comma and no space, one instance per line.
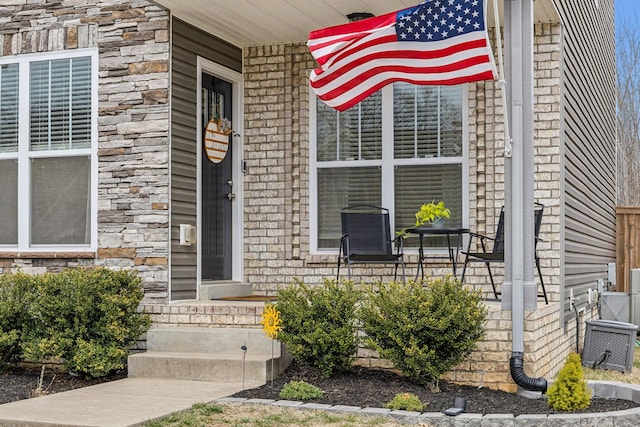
(632,377)
(236,415)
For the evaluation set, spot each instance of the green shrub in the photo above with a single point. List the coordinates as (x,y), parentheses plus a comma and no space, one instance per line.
(406,402)
(14,296)
(88,318)
(424,329)
(570,392)
(300,390)
(319,324)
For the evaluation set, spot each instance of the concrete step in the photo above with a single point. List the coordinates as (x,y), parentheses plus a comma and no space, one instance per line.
(205,366)
(216,290)
(209,354)
(211,340)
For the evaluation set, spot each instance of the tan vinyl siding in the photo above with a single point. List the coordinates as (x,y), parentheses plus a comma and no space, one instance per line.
(588,145)
(188,43)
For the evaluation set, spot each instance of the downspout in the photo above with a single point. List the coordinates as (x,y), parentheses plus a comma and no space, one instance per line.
(519,290)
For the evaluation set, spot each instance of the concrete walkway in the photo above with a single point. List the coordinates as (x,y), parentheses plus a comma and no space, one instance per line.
(121,403)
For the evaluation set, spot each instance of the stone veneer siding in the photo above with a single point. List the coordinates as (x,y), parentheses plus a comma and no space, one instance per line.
(276,191)
(133,122)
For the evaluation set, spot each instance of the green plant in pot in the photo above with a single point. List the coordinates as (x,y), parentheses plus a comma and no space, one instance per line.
(431,213)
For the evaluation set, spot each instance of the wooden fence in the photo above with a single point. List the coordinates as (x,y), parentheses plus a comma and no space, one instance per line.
(627,244)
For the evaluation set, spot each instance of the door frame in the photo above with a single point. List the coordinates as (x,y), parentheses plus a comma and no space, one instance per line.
(206,66)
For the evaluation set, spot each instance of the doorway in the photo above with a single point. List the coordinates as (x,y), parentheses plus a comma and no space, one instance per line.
(217,194)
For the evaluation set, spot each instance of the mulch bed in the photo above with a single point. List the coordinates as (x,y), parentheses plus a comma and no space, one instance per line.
(22,383)
(359,387)
(374,387)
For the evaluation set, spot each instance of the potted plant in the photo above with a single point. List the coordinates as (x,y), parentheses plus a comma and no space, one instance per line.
(429,213)
(432,213)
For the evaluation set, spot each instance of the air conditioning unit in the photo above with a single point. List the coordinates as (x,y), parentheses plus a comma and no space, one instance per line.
(634,296)
(622,306)
(614,306)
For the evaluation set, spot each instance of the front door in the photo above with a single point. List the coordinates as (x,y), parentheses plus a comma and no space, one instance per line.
(217,183)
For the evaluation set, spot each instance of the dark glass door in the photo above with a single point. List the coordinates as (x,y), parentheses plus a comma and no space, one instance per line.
(217,185)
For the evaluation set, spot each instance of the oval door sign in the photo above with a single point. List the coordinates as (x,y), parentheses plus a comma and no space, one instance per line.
(216,142)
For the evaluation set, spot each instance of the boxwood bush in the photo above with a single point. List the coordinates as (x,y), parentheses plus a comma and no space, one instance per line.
(14,298)
(319,324)
(87,318)
(423,328)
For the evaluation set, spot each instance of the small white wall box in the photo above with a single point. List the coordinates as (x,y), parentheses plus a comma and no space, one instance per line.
(187,235)
(609,344)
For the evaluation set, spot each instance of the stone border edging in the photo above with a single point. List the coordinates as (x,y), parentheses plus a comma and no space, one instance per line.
(600,389)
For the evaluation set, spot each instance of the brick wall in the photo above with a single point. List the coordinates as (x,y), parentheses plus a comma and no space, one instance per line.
(276,236)
(133,42)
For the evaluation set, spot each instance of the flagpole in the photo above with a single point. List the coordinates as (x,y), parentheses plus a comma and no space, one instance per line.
(502,81)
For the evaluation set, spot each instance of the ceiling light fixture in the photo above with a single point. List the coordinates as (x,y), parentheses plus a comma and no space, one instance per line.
(358,16)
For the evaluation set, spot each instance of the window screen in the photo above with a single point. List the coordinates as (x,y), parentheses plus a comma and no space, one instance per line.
(9,204)
(60,200)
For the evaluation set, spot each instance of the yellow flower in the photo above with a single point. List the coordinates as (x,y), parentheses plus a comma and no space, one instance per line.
(271,321)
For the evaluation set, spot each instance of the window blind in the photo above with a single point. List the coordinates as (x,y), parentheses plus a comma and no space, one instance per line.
(9,90)
(60,104)
(354,134)
(339,188)
(427,121)
(416,185)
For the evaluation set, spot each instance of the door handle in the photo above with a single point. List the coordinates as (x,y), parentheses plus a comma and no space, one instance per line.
(231,196)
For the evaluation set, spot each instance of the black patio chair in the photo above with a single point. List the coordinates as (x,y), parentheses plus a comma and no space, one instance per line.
(366,239)
(496,254)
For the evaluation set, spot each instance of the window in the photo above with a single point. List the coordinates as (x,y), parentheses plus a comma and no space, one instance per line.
(400,147)
(48,157)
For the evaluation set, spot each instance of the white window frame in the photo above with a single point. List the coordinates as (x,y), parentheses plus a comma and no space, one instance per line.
(387,167)
(24,155)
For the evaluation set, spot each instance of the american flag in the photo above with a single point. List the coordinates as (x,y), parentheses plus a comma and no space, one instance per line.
(438,42)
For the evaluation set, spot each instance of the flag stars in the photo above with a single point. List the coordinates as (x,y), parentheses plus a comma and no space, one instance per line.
(440,19)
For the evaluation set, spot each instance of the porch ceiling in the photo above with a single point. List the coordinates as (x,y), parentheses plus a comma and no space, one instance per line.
(247,23)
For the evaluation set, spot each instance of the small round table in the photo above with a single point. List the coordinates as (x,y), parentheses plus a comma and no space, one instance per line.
(428,230)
